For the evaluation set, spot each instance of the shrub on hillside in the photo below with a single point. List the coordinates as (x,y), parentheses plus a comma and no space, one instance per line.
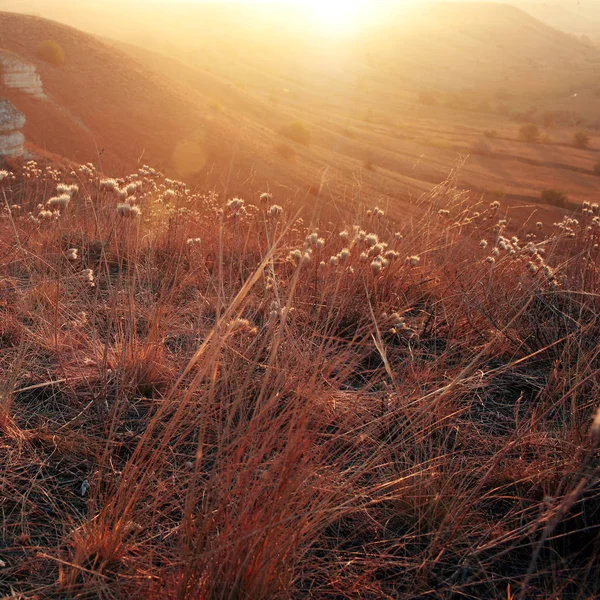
(581,140)
(428,98)
(298,132)
(529,132)
(555,198)
(503,110)
(482,146)
(51,52)
(285,151)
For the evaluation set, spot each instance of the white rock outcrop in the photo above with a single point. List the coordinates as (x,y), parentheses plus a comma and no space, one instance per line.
(11,138)
(20,75)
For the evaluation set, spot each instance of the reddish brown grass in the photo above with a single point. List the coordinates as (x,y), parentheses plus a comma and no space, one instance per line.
(417,431)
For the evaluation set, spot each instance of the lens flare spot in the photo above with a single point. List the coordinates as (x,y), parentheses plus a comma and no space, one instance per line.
(189,157)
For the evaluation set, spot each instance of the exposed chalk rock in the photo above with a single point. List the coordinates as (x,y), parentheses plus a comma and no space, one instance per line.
(20,75)
(11,139)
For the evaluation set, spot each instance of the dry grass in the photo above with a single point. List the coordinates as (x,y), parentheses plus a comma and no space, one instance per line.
(228,406)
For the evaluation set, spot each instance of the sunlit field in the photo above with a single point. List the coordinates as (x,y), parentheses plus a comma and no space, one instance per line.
(301,306)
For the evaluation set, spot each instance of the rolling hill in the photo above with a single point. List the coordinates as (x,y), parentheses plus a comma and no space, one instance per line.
(210,111)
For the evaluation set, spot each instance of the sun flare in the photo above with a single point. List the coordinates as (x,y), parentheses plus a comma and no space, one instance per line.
(338,17)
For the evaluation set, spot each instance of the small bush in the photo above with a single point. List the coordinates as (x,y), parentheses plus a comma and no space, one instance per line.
(428,98)
(555,198)
(285,151)
(368,165)
(549,119)
(298,132)
(491,134)
(482,146)
(497,193)
(529,132)
(483,107)
(581,140)
(503,110)
(51,52)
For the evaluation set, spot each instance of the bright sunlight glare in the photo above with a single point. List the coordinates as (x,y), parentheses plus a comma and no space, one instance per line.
(338,17)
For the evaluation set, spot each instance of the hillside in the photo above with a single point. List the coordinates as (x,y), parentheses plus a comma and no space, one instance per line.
(291,313)
(579,18)
(207,109)
(106,107)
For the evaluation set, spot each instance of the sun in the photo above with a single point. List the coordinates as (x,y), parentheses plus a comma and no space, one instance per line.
(337,17)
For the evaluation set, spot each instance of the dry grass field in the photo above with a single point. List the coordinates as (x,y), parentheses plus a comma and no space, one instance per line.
(212,398)
(338,341)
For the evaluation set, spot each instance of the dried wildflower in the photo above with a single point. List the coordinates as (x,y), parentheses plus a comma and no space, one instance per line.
(344,255)
(377,212)
(483,244)
(63,188)
(443,212)
(413,261)
(344,236)
(234,205)
(243,327)
(319,244)
(490,259)
(109,185)
(312,238)
(266,198)
(371,239)
(127,210)
(396,319)
(495,205)
(275,210)
(333,261)
(73,254)
(495,252)
(88,277)
(295,255)
(194,241)
(376,266)
(59,202)
(398,236)
(4,175)
(377,249)
(364,257)
(132,188)
(533,269)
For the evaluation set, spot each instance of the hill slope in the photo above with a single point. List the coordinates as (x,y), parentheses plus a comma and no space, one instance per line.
(211,110)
